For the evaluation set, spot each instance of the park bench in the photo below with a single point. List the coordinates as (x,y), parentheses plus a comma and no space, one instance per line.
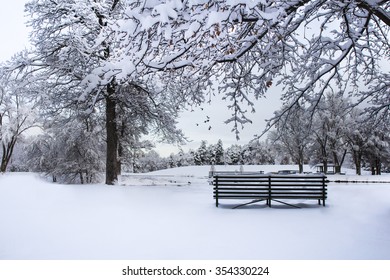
(269,187)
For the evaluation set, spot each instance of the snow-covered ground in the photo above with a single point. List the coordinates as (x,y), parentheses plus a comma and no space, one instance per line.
(171,214)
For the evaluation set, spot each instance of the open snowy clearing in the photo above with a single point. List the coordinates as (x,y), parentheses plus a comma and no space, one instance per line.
(171,214)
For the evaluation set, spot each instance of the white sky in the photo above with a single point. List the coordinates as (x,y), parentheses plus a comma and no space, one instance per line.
(14,34)
(193,123)
(13,31)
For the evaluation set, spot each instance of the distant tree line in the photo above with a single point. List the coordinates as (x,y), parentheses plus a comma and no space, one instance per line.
(337,133)
(255,152)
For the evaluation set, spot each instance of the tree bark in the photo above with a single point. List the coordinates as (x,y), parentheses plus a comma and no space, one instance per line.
(325,164)
(301,160)
(122,131)
(112,136)
(376,166)
(7,154)
(357,158)
(300,166)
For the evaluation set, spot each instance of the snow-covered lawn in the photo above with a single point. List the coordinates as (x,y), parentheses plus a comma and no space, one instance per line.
(171,214)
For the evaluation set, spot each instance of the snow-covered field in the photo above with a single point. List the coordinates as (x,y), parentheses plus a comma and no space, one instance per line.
(171,214)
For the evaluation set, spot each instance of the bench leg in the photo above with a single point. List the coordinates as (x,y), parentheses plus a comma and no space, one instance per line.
(253,201)
(282,202)
(216,196)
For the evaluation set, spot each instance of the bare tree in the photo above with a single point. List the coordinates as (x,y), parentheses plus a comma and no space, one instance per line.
(16,116)
(331,127)
(293,135)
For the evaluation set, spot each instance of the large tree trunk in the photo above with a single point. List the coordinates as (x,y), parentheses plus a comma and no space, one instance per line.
(122,130)
(7,154)
(112,136)
(338,162)
(357,158)
(376,166)
(300,167)
(301,161)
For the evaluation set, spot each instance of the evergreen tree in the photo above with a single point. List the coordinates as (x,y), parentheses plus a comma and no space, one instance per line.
(233,155)
(201,156)
(219,153)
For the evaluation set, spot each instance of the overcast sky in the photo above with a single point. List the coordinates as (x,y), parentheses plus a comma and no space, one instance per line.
(14,38)
(13,31)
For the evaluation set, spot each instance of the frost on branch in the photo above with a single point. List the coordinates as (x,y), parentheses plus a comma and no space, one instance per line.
(308,47)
